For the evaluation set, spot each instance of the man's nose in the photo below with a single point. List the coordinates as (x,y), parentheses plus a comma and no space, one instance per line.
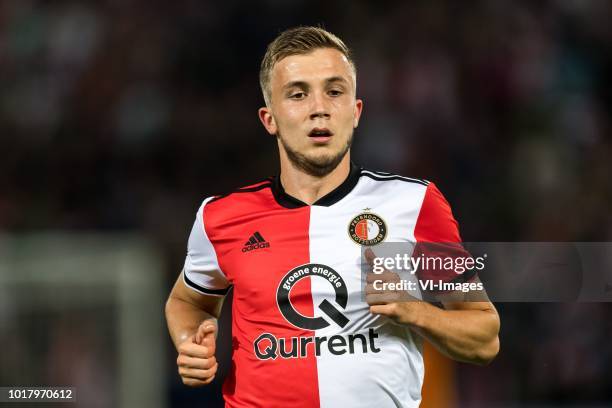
(320,107)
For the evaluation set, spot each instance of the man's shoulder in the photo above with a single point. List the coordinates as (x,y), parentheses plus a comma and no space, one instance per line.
(239,199)
(383,178)
(242,192)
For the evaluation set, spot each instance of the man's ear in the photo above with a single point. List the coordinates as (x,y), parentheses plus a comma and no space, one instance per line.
(358,109)
(266,118)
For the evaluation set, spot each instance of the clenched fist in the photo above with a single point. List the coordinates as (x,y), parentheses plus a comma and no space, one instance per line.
(196,361)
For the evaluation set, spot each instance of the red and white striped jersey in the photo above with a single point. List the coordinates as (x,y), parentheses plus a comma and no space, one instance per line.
(302,334)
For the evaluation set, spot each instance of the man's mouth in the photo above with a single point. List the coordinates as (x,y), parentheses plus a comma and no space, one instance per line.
(320,134)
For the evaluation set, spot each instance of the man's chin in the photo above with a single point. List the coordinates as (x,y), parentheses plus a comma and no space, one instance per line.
(316,165)
(318,161)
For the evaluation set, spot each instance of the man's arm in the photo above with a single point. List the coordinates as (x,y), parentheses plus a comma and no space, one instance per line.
(186,309)
(463,331)
(192,322)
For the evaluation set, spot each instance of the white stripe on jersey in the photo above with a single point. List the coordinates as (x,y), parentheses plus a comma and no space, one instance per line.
(385,175)
(392,377)
(202,271)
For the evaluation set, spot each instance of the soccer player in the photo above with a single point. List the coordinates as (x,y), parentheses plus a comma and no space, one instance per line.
(290,247)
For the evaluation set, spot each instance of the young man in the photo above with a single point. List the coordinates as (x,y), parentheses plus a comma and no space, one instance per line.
(291,248)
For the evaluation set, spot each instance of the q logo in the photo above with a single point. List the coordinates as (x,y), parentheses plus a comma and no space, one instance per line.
(313,323)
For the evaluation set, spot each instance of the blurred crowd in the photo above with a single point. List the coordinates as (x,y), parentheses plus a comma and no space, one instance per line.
(125,114)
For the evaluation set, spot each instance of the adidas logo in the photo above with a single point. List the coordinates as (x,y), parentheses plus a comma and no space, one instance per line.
(255,242)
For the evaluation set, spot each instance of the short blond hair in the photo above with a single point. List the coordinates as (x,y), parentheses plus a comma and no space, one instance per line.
(298,41)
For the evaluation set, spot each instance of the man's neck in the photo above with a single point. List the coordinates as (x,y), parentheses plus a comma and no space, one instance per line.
(308,188)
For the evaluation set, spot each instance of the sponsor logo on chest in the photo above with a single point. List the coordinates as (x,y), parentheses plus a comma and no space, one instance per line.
(268,346)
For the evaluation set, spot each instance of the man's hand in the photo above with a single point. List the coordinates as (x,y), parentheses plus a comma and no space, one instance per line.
(464,330)
(396,304)
(196,361)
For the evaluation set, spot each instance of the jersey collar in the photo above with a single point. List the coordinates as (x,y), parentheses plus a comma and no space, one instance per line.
(330,198)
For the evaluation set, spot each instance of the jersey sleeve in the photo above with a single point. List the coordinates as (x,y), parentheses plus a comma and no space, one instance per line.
(435,222)
(437,238)
(202,272)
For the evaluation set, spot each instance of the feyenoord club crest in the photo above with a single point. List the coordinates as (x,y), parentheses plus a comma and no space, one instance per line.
(367,229)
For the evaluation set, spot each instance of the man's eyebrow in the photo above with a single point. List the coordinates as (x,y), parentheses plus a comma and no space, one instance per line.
(304,84)
(296,84)
(336,79)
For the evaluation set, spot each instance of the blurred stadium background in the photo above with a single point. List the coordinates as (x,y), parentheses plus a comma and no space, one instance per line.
(118,117)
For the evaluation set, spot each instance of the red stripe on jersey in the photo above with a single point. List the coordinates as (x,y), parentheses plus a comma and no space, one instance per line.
(256,274)
(436,222)
(437,235)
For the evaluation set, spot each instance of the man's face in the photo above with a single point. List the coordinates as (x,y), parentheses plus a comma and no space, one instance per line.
(313,109)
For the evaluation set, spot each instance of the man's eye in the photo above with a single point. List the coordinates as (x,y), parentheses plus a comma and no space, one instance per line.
(335,92)
(297,95)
